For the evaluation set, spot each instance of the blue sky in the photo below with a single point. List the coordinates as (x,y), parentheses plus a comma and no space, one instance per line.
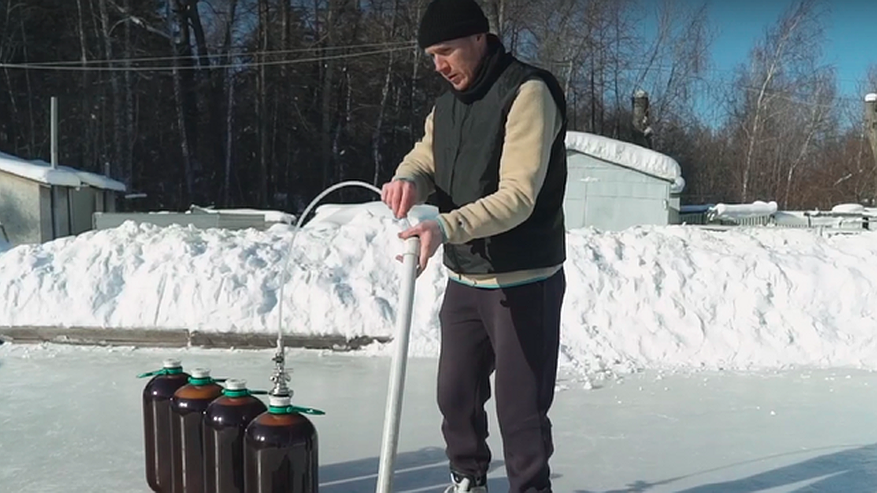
(851,32)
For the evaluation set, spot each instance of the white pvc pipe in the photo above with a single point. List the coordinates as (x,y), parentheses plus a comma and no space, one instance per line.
(350,183)
(298,226)
(392,417)
(390,441)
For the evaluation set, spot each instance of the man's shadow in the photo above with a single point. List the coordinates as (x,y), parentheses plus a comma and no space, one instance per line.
(424,470)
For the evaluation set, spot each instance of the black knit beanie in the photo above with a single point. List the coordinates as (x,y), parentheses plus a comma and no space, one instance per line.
(445,20)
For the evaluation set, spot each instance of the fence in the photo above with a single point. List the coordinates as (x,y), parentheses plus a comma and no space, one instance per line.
(198,217)
(842,221)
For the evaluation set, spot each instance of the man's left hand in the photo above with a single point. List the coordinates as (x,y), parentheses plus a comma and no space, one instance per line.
(430,235)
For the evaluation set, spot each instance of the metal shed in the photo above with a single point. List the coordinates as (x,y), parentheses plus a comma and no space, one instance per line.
(613,185)
(39,202)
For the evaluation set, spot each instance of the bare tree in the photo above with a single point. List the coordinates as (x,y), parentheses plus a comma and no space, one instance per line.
(676,63)
(385,93)
(118,138)
(816,117)
(796,36)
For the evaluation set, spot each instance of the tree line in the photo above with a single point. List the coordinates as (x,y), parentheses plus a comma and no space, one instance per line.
(264,103)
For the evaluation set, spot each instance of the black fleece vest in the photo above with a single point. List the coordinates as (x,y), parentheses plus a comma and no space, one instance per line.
(468,144)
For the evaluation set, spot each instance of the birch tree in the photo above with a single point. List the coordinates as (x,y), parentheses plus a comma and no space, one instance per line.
(771,77)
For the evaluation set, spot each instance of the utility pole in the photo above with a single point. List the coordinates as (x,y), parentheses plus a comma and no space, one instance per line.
(871,130)
(54,130)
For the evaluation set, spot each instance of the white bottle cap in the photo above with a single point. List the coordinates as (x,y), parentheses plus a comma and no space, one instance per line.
(279,400)
(172,363)
(200,373)
(235,384)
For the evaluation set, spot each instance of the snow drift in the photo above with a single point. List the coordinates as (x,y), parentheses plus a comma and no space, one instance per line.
(652,297)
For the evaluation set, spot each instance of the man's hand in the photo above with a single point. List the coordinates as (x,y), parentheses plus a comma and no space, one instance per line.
(399,195)
(430,235)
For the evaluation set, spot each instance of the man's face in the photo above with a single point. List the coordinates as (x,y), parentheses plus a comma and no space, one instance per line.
(458,59)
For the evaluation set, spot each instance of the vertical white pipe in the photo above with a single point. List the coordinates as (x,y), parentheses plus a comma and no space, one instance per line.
(390,441)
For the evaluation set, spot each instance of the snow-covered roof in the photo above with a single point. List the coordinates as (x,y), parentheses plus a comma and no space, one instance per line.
(628,155)
(42,172)
(870,98)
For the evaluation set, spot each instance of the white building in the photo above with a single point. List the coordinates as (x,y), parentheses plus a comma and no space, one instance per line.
(613,185)
(39,203)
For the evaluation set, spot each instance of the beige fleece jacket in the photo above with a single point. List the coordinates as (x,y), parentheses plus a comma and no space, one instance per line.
(533,123)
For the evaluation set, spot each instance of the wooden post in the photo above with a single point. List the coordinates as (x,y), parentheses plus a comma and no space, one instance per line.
(54,131)
(871,130)
(642,131)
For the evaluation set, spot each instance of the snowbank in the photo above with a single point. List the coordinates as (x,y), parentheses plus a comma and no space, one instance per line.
(740,211)
(669,297)
(628,155)
(43,172)
(849,209)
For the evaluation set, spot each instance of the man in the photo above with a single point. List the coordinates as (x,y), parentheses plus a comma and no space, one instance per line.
(493,154)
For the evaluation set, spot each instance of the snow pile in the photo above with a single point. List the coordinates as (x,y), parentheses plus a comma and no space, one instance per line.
(343,280)
(656,297)
(43,172)
(628,155)
(849,209)
(740,211)
(754,298)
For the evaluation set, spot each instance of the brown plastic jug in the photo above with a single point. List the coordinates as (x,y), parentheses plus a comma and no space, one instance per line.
(157,422)
(187,410)
(280,450)
(225,422)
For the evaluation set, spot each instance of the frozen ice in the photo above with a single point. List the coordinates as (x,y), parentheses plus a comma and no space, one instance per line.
(71,421)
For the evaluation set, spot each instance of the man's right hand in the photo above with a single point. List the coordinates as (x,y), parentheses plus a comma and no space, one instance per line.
(399,195)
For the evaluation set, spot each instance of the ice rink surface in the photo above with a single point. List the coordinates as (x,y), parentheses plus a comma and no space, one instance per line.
(70,420)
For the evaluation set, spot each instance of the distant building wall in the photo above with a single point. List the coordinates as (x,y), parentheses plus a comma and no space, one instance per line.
(106,201)
(20,209)
(47,230)
(84,205)
(611,197)
(61,211)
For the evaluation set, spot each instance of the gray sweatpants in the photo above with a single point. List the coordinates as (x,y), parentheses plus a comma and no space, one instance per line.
(514,332)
